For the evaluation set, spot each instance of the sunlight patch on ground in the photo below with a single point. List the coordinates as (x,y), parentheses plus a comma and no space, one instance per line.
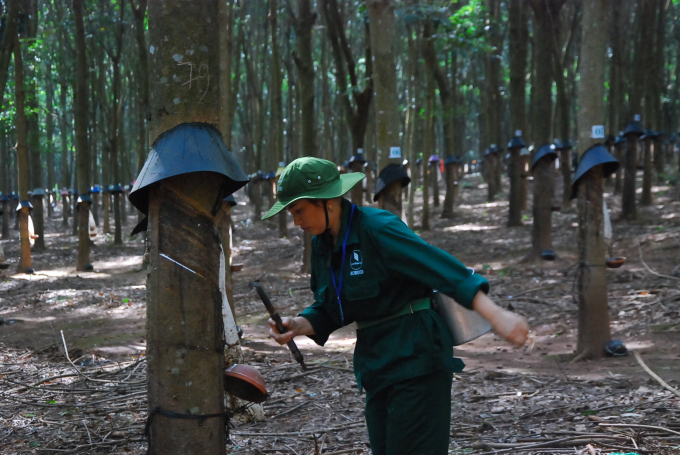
(118,263)
(485,205)
(470,228)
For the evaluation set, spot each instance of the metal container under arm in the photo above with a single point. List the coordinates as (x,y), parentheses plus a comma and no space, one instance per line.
(465,325)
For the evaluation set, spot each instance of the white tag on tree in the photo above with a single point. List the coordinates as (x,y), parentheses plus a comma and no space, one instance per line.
(597,132)
(395,152)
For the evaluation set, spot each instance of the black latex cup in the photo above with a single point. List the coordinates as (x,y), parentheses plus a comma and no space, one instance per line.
(545,151)
(391,173)
(184,149)
(616,348)
(594,156)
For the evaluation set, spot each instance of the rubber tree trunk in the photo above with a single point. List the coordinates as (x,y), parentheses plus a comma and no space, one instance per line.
(517,43)
(303,23)
(184,307)
(524,166)
(619,154)
(107,212)
(628,197)
(515,200)
(368,169)
(74,210)
(382,20)
(450,176)
(415,177)
(29,31)
(541,234)
(22,158)
(490,176)
(545,13)
(646,198)
(565,170)
(357,193)
(434,176)
(82,149)
(593,318)
(428,144)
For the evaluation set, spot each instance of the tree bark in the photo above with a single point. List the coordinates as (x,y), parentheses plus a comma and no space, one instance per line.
(30,29)
(7,43)
(381,17)
(49,129)
(142,70)
(428,144)
(646,198)
(22,158)
(541,238)
(303,23)
(82,151)
(593,328)
(184,307)
(451,182)
(517,11)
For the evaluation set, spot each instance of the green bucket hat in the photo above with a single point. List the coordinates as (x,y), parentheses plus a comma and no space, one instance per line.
(311,178)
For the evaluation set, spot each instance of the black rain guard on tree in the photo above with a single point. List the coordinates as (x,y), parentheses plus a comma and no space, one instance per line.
(594,156)
(546,151)
(516,142)
(390,174)
(634,128)
(183,149)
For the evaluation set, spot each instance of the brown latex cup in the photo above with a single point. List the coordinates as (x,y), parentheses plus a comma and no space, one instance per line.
(246,383)
(615,263)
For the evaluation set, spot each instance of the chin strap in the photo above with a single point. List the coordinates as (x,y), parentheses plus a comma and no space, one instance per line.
(325,211)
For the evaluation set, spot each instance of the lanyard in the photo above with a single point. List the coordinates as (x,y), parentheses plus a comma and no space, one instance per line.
(338,289)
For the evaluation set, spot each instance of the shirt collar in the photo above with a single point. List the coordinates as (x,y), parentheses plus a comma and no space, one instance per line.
(346,213)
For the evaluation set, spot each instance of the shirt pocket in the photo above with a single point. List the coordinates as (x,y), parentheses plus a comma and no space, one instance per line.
(364,288)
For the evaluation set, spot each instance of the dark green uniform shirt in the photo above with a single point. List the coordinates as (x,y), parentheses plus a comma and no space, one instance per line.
(386,267)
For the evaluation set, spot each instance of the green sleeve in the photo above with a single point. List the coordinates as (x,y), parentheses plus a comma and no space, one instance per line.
(317,315)
(321,321)
(407,255)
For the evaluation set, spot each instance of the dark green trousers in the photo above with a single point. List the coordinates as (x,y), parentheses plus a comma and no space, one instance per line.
(411,417)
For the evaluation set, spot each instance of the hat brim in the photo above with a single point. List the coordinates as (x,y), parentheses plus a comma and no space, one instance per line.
(337,189)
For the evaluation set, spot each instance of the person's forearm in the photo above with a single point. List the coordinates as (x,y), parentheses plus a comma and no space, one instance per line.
(510,326)
(303,326)
(486,307)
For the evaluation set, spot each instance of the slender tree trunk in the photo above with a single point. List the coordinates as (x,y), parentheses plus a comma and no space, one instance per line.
(22,159)
(6,181)
(593,327)
(381,17)
(646,198)
(493,83)
(30,28)
(303,24)
(7,43)
(143,114)
(541,238)
(518,62)
(49,129)
(82,151)
(428,144)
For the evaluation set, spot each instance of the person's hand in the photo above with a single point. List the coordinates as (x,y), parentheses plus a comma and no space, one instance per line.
(512,327)
(283,338)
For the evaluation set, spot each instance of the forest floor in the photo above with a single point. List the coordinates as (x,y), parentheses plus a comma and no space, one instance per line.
(530,400)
